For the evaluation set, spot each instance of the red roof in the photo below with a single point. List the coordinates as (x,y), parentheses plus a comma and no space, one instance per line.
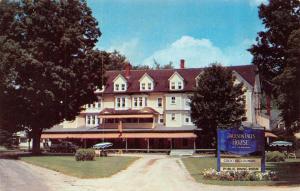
(161,76)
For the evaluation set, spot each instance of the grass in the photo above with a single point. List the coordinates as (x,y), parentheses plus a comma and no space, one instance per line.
(101,167)
(288,172)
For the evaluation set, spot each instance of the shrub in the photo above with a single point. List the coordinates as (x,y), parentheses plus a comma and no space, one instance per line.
(212,174)
(85,155)
(275,156)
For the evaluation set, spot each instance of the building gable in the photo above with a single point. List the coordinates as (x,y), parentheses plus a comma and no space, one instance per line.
(176,82)
(146,83)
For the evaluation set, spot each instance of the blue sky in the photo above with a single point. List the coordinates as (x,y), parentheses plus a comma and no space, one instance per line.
(199,31)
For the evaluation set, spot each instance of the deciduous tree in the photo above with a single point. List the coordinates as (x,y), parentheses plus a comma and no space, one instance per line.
(55,68)
(274,53)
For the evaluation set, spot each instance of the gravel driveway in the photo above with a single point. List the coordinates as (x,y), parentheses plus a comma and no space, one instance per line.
(15,176)
(150,173)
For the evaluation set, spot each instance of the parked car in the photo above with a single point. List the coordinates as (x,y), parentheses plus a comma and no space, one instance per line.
(63,147)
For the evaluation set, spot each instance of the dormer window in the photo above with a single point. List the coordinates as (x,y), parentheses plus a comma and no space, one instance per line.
(149,86)
(173,86)
(179,85)
(146,83)
(176,82)
(120,83)
(117,87)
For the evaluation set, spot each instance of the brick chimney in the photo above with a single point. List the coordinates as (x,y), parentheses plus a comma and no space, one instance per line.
(127,70)
(182,61)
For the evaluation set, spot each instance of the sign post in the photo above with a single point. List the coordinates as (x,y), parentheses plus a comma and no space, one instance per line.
(241,149)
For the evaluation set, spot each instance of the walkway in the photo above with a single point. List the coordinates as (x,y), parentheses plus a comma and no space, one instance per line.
(159,173)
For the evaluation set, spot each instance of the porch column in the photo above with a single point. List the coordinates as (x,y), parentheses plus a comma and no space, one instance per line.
(194,144)
(171,144)
(153,120)
(126,144)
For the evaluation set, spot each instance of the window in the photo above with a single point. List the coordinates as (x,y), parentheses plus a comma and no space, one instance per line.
(118,102)
(99,104)
(94,119)
(123,87)
(135,101)
(187,119)
(159,102)
(173,116)
(140,101)
(179,85)
(123,101)
(173,86)
(143,86)
(187,102)
(23,140)
(173,100)
(98,119)
(161,118)
(94,105)
(88,121)
(149,86)
(117,87)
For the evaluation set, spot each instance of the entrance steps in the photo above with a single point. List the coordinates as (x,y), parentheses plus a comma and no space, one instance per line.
(182,152)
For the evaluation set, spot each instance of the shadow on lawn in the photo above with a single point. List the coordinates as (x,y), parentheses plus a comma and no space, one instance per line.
(15,155)
(288,172)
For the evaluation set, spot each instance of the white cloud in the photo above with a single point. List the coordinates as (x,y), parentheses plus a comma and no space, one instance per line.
(200,53)
(129,48)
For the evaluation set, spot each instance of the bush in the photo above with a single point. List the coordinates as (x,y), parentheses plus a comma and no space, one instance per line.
(85,155)
(275,156)
(212,174)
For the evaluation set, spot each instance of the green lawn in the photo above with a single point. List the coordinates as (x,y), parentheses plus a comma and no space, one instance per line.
(288,171)
(101,167)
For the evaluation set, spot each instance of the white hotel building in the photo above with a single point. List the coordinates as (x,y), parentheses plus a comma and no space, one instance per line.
(149,109)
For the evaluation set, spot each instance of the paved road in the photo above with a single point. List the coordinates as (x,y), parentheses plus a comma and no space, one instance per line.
(14,176)
(150,173)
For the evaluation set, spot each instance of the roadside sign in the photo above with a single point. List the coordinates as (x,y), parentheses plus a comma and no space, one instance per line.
(241,149)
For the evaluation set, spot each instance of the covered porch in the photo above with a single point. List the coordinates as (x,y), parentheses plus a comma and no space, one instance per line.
(130,140)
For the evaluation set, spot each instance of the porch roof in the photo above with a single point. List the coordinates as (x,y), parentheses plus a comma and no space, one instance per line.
(86,129)
(112,113)
(117,135)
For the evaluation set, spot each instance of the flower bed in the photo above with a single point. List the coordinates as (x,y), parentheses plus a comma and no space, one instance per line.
(212,174)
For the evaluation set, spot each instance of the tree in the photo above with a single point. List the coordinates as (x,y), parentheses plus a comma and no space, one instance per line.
(280,18)
(156,66)
(217,102)
(114,60)
(55,69)
(271,52)
(288,84)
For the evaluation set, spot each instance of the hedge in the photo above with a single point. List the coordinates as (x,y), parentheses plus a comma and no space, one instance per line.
(275,156)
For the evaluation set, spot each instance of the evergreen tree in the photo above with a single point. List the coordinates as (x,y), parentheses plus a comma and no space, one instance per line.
(53,67)
(217,101)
